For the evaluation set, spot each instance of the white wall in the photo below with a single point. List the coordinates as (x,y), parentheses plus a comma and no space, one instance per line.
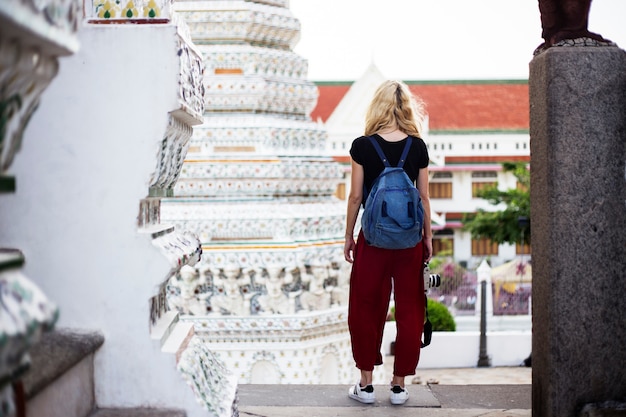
(461,349)
(85,163)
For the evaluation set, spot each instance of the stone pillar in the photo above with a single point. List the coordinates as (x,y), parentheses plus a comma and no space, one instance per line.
(578,189)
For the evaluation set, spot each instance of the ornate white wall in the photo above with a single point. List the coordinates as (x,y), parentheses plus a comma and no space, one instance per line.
(259,190)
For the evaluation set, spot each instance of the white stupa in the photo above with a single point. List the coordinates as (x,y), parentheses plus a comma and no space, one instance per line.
(269,296)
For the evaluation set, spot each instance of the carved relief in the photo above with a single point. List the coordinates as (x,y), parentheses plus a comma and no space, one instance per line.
(273,289)
(277,299)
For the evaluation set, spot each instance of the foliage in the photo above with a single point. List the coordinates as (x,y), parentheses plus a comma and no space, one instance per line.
(504,226)
(440,317)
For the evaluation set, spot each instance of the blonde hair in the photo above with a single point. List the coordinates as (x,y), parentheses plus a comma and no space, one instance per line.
(394,106)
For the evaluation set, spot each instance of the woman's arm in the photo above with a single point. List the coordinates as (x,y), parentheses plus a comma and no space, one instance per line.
(422,186)
(354,202)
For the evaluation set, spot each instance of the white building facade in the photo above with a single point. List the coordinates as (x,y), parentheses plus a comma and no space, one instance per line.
(462,158)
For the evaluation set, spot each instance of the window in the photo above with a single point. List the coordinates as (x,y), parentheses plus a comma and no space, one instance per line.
(443,243)
(440,189)
(476,186)
(440,186)
(443,247)
(521,249)
(484,247)
(482,179)
(477,175)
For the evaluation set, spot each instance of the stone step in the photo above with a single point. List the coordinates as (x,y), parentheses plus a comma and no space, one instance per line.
(257,399)
(59,381)
(138,412)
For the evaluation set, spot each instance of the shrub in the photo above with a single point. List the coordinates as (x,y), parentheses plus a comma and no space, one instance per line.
(440,317)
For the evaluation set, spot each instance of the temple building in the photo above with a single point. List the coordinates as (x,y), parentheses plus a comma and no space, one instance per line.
(269,295)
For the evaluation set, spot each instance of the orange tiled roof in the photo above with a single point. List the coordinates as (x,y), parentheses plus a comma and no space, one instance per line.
(330,95)
(454,105)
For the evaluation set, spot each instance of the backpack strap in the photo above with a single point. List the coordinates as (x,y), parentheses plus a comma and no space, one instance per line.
(383,158)
(381,154)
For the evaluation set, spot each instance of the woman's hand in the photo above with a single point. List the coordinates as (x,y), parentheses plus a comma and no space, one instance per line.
(348,249)
(428,248)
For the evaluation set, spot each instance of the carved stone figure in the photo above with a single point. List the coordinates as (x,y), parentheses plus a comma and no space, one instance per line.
(339,294)
(189,301)
(317,297)
(276,301)
(565,19)
(231,299)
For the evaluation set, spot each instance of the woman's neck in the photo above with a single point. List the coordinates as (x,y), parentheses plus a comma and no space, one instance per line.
(392,134)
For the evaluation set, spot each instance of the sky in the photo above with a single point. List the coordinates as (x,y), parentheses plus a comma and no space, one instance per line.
(431,39)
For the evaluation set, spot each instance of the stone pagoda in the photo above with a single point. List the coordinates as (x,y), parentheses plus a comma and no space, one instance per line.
(269,295)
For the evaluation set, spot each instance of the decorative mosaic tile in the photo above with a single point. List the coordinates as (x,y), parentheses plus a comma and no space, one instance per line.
(257,94)
(247,22)
(308,348)
(258,134)
(214,385)
(118,11)
(220,222)
(26,314)
(269,296)
(254,61)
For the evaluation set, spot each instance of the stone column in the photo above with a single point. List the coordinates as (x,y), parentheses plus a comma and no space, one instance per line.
(578,189)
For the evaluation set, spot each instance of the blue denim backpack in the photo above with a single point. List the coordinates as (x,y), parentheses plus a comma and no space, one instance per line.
(393,217)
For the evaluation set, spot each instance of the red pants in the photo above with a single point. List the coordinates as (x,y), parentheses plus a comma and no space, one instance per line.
(373,271)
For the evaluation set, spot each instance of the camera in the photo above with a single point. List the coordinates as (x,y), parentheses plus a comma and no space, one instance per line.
(430,280)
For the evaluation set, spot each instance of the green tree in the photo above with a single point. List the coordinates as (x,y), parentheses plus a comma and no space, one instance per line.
(511,224)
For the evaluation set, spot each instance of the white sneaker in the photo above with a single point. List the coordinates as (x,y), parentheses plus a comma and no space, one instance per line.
(362,394)
(398,395)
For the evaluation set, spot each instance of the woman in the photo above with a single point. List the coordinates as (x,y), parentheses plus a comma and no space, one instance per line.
(392,116)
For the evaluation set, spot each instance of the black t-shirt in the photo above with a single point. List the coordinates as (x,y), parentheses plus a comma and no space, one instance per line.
(364,154)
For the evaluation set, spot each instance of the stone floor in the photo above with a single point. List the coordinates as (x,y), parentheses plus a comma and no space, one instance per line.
(456,392)
(470,376)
